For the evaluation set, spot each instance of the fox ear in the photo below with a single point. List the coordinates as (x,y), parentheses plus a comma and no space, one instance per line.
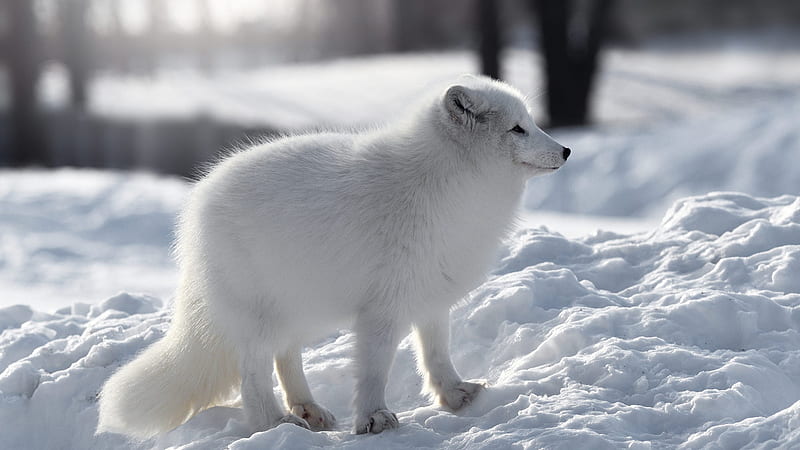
(463,106)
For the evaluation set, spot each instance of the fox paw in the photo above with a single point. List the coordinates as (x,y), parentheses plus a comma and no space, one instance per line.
(380,420)
(295,420)
(318,418)
(460,395)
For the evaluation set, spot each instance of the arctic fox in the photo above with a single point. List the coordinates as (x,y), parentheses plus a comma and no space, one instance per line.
(286,242)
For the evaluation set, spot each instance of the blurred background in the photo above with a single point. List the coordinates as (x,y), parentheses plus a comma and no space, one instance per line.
(165,85)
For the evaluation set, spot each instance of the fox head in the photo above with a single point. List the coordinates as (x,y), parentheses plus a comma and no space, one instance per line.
(488,118)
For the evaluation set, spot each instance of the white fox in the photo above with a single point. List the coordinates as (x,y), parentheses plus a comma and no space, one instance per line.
(286,242)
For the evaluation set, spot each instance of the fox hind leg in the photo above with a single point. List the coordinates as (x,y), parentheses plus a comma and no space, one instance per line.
(289,365)
(261,408)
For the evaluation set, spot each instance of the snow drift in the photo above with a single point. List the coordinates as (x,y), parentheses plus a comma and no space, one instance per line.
(688,335)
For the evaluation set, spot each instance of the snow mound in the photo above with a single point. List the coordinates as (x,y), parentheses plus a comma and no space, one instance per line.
(688,335)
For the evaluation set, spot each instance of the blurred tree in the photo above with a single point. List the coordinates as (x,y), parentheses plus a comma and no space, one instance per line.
(489,38)
(571,35)
(27,143)
(76,42)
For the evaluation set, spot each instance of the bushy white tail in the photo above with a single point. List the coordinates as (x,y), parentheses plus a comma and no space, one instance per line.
(187,371)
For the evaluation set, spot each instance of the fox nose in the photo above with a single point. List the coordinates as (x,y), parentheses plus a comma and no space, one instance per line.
(566,153)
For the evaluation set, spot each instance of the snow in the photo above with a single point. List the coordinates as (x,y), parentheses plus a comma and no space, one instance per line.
(688,334)
(640,172)
(82,236)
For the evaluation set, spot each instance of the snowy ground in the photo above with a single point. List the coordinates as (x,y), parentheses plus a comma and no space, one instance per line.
(82,236)
(686,335)
(679,325)
(640,172)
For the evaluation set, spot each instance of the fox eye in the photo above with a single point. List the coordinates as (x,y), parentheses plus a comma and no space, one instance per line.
(518,129)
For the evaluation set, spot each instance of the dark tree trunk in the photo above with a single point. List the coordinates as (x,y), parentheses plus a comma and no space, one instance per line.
(490,38)
(27,143)
(570,51)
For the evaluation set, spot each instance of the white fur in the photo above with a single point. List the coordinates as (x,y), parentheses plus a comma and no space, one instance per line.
(284,243)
